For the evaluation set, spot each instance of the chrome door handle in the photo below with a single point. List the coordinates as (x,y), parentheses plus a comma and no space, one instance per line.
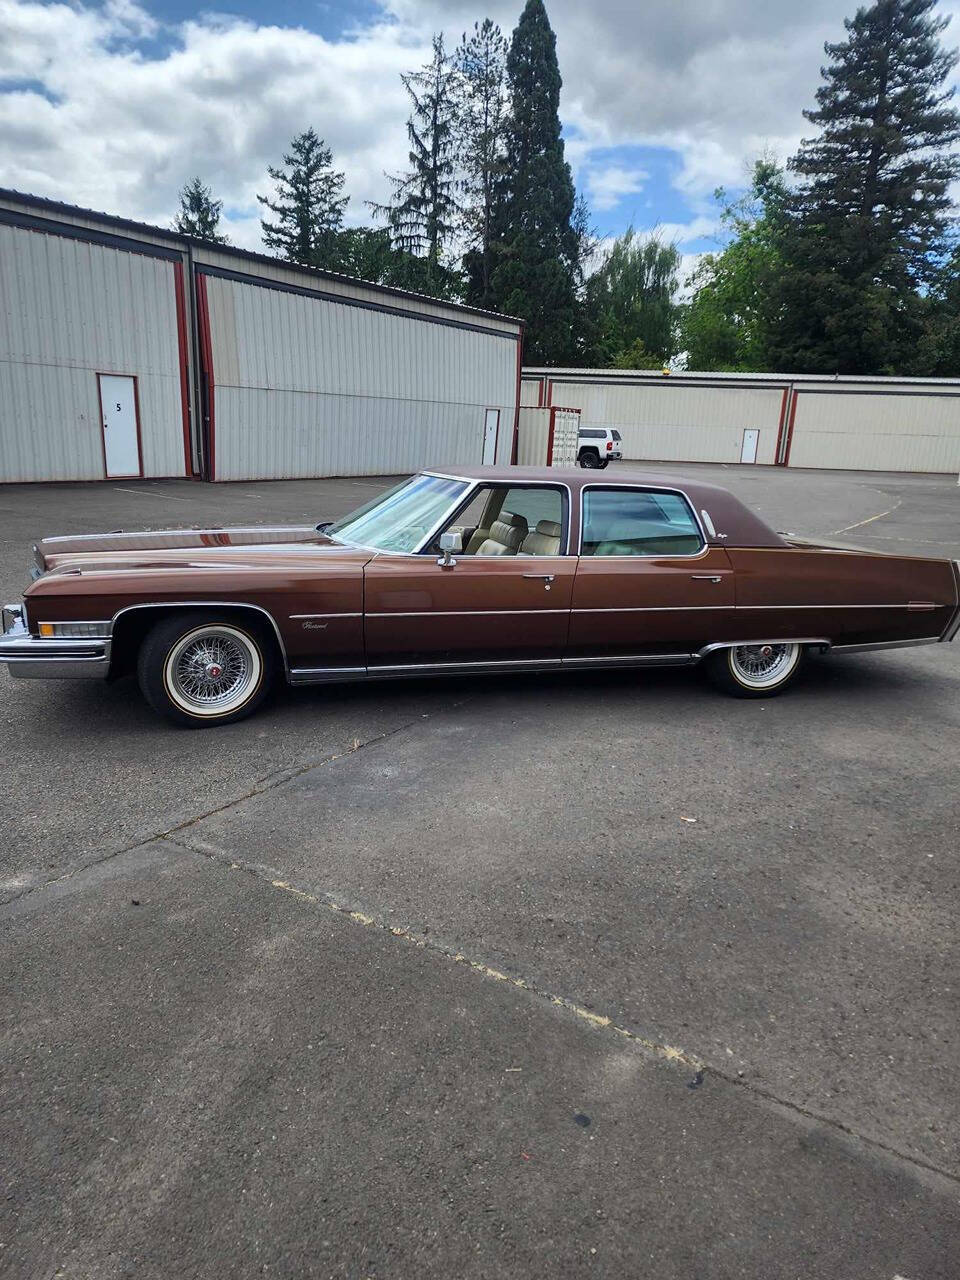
(541,577)
(706,577)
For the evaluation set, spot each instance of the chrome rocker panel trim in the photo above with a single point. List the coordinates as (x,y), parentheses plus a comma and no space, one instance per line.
(507,666)
(887,644)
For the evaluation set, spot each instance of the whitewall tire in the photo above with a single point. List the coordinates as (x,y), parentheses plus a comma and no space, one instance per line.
(756,670)
(204,670)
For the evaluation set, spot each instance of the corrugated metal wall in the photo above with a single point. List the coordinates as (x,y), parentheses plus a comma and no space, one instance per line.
(530,393)
(70,310)
(866,430)
(673,422)
(310,387)
(533,431)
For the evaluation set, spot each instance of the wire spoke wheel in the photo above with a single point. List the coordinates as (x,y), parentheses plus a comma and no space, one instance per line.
(763,666)
(212,670)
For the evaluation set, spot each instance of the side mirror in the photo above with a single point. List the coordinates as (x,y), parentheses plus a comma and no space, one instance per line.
(450,542)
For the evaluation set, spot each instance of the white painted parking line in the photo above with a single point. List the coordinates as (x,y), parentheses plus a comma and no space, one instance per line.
(145,493)
(869,519)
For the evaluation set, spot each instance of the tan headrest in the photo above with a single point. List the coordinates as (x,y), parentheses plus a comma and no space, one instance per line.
(549,528)
(510,531)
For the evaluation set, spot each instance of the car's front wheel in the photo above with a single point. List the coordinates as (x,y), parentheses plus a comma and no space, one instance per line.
(204,670)
(755,670)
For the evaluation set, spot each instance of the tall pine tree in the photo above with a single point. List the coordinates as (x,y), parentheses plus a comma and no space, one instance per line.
(866,231)
(482,108)
(538,265)
(422,215)
(307,205)
(199,213)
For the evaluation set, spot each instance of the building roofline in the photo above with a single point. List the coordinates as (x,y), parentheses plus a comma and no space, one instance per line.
(176,238)
(683,375)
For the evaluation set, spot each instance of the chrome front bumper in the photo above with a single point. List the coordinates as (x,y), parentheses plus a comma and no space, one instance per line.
(27,656)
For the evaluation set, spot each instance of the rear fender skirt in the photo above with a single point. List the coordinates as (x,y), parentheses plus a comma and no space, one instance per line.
(819,642)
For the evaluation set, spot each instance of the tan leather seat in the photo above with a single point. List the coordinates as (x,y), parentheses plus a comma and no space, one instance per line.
(544,541)
(504,537)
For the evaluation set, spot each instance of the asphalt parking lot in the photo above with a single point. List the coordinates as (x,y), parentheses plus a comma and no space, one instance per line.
(438,979)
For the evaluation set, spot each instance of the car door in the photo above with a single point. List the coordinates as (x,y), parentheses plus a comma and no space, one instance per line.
(648,583)
(481,609)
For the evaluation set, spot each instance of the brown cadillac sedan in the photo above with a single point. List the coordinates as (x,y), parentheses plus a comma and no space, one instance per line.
(488,569)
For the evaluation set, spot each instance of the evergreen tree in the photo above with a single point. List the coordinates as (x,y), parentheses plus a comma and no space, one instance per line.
(538,255)
(199,213)
(368,254)
(308,205)
(422,215)
(630,303)
(866,233)
(481,60)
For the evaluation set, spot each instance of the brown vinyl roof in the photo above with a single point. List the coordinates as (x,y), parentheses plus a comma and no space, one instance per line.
(730,517)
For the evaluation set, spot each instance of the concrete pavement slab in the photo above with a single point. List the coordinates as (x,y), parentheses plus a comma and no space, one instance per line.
(799,928)
(209,1076)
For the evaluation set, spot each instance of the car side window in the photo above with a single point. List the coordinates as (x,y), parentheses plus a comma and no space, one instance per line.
(517,520)
(634,522)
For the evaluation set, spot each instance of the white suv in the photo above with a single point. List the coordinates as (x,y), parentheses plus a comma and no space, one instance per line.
(596,446)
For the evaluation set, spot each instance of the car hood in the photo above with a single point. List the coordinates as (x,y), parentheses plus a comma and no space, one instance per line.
(181,547)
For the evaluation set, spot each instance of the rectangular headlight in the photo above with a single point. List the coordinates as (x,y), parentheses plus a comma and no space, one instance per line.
(74,630)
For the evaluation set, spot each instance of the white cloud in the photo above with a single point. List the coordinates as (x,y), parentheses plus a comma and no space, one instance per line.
(119,131)
(606,186)
(121,126)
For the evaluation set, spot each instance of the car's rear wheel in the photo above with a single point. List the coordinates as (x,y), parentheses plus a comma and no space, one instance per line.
(204,670)
(590,459)
(755,670)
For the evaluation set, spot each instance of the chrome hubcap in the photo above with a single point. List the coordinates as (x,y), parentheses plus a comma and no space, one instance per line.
(762,664)
(212,670)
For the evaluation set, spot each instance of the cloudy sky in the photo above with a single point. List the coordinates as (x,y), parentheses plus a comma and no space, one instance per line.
(115,105)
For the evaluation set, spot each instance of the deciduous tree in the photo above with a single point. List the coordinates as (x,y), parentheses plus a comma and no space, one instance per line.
(726,323)
(630,307)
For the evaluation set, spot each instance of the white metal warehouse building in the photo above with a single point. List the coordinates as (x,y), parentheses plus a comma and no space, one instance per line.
(857,424)
(127,350)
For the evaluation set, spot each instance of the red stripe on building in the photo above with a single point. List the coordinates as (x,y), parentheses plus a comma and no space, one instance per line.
(516,413)
(793,416)
(206,357)
(783,416)
(184,376)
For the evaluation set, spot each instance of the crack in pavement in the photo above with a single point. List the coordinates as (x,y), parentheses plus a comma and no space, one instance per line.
(268,782)
(599,1022)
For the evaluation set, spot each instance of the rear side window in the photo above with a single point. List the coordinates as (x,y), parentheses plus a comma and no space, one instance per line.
(635,522)
(587,433)
(615,434)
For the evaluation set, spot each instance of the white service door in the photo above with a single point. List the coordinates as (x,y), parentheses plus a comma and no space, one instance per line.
(491,425)
(121,447)
(748,450)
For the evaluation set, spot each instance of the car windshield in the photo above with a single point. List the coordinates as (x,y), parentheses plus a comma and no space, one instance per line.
(401,518)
